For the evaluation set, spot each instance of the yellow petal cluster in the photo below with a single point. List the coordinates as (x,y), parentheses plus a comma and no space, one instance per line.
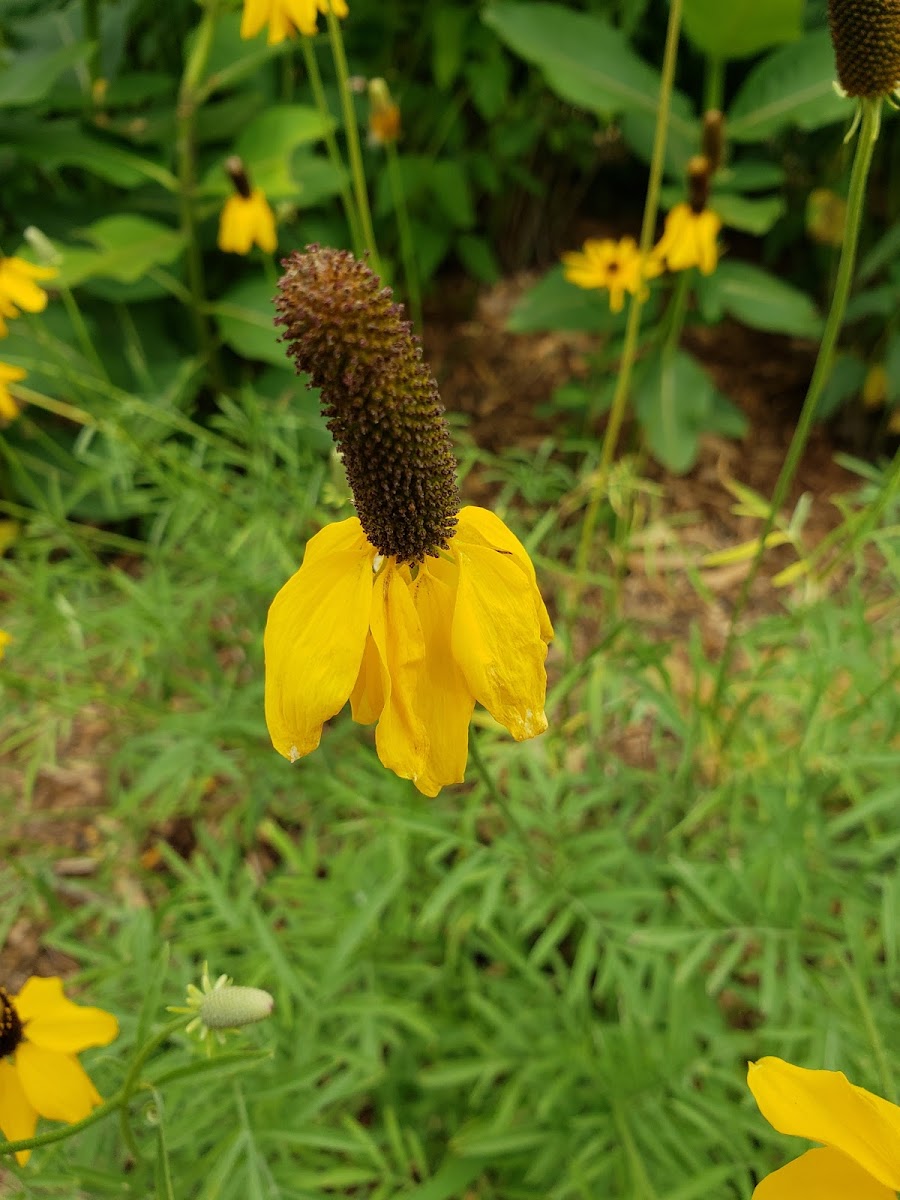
(283,17)
(40,1075)
(245,221)
(860,1134)
(19,289)
(689,239)
(412,648)
(617,266)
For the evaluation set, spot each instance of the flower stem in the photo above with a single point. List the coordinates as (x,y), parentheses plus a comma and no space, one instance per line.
(865,145)
(633,323)
(351,132)
(407,249)
(334,154)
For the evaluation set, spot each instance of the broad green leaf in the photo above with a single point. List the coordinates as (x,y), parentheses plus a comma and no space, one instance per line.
(764,301)
(31,76)
(246,319)
(793,86)
(671,399)
(751,214)
(554,303)
(741,27)
(267,146)
(125,249)
(846,379)
(64,143)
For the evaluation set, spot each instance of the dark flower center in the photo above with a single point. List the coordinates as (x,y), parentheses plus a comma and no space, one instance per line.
(11,1031)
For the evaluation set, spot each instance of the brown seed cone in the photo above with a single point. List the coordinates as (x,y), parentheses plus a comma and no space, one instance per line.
(866,37)
(379,397)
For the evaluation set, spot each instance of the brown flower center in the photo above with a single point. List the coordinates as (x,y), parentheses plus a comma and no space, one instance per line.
(11,1031)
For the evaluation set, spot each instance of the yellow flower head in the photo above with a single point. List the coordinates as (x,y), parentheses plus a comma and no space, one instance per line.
(246,218)
(285,16)
(615,265)
(860,1134)
(9,408)
(41,1032)
(18,289)
(689,240)
(413,610)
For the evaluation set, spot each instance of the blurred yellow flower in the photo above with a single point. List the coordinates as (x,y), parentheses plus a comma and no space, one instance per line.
(18,288)
(41,1032)
(384,114)
(860,1132)
(246,220)
(412,648)
(286,16)
(689,240)
(615,265)
(9,409)
(5,639)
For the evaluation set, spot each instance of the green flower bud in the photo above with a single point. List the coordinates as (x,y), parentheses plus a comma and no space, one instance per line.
(230,1007)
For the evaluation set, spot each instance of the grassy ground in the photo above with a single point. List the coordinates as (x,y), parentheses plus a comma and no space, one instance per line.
(555,998)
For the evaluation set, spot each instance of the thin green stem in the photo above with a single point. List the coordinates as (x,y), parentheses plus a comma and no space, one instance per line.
(90,17)
(865,145)
(407,247)
(351,132)
(633,323)
(676,313)
(714,84)
(88,348)
(334,154)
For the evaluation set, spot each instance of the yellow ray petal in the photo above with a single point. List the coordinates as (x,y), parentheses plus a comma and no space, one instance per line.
(56,1023)
(484,527)
(822,1175)
(57,1086)
(367,697)
(825,1106)
(400,737)
(445,702)
(314,642)
(255,15)
(496,640)
(235,230)
(18,1119)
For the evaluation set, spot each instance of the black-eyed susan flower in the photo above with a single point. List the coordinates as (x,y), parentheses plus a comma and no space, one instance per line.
(413,610)
(284,17)
(19,288)
(247,218)
(41,1032)
(866,38)
(691,230)
(859,1158)
(9,408)
(617,266)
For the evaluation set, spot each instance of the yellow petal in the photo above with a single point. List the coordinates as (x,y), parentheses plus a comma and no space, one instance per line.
(445,702)
(483,527)
(57,1086)
(400,737)
(263,222)
(496,640)
(825,1107)
(18,1118)
(314,640)
(302,15)
(255,15)
(235,226)
(17,284)
(56,1023)
(367,697)
(822,1175)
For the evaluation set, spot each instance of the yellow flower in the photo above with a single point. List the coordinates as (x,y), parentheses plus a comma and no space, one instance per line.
(245,220)
(412,648)
(5,639)
(41,1032)
(689,240)
(286,16)
(604,263)
(860,1132)
(9,409)
(19,290)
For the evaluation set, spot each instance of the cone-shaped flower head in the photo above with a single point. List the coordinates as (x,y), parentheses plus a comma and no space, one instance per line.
(246,217)
(866,37)
(859,1132)
(414,610)
(41,1032)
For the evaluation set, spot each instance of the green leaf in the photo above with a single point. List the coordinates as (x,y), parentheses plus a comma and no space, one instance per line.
(64,143)
(554,303)
(672,398)
(231,57)
(846,379)
(477,256)
(267,147)
(33,74)
(752,214)
(763,301)
(793,86)
(741,27)
(246,319)
(126,247)
(448,44)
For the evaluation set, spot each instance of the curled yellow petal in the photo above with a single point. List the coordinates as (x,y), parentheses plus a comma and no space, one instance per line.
(57,1086)
(54,1022)
(367,697)
(822,1174)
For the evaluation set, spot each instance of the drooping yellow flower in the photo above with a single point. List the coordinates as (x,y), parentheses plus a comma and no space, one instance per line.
(18,289)
(284,17)
(41,1032)
(415,609)
(617,266)
(689,239)
(246,218)
(860,1134)
(9,408)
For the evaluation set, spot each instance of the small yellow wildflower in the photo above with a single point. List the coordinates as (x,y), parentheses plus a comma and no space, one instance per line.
(18,288)
(5,639)
(860,1132)
(41,1032)
(9,409)
(247,217)
(615,265)
(284,17)
(689,239)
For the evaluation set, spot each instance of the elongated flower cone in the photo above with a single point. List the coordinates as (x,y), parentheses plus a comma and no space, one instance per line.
(866,37)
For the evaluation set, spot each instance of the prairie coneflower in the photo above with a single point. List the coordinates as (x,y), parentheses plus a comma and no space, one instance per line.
(412,610)
(246,218)
(285,16)
(866,39)
(41,1032)
(617,266)
(691,230)
(9,409)
(19,289)
(860,1134)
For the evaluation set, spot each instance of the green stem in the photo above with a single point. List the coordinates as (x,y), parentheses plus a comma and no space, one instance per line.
(865,145)
(351,132)
(714,88)
(633,323)
(91,20)
(407,248)
(334,154)
(676,313)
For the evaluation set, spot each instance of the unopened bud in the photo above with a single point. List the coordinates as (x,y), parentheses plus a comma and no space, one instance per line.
(230,1007)
(714,138)
(237,173)
(698,172)
(42,246)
